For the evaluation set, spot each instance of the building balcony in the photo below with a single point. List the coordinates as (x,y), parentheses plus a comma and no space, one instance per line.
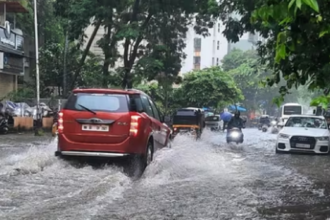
(10,7)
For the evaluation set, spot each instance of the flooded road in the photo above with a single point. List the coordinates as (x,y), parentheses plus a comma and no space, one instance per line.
(207,179)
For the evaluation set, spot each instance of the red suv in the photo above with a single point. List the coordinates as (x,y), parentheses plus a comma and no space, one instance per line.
(111,123)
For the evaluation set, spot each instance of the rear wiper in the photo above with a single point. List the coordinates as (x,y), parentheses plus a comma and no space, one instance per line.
(87,109)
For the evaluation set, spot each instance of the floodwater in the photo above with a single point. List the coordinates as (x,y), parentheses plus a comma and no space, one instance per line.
(205,179)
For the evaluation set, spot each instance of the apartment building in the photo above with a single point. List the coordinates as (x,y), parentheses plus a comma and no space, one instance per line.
(11,47)
(203,52)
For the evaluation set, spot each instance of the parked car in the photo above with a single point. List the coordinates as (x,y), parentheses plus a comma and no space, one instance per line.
(304,133)
(111,123)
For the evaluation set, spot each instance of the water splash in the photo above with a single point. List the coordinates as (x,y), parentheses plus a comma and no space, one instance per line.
(35,159)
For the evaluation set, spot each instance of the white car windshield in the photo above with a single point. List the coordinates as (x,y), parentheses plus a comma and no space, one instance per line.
(307,122)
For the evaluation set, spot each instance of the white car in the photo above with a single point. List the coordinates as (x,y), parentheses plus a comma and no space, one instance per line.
(304,133)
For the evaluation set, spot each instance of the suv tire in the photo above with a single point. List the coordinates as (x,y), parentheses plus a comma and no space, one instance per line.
(138,163)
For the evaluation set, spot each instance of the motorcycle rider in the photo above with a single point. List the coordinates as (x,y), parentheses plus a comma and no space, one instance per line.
(236,121)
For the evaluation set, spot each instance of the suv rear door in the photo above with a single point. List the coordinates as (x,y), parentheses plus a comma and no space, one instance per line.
(96,118)
(154,123)
(163,131)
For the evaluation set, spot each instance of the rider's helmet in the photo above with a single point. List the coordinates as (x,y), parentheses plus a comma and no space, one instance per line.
(237,114)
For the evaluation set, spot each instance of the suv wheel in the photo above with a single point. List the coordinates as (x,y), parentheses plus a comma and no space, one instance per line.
(149,154)
(138,163)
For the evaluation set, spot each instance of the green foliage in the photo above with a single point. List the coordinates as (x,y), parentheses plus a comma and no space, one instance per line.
(322,100)
(155,22)
(295,32)
(21,94)
(248,73)
(208,87)
(237,57)
(166,98)
(51,67)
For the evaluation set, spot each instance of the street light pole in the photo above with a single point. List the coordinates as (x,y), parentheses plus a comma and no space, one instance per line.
(38,121)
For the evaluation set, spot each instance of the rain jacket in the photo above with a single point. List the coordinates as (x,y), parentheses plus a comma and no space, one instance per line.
(235,122)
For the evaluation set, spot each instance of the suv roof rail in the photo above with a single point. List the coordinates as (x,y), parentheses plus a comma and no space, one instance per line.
(133,90)
(93,87)
(137,90)
(84,87)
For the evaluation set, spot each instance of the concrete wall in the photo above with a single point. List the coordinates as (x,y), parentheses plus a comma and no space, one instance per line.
(7,84)
(26,123)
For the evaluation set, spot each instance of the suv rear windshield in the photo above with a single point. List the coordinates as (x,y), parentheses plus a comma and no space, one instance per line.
(97,102)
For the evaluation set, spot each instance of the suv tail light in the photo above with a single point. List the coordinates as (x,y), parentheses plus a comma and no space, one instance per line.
(60,126)
(135,122)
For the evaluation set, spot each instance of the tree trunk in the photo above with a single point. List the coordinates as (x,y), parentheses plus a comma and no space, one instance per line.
(129,58)
(107,55)
(167,88)
(86,51)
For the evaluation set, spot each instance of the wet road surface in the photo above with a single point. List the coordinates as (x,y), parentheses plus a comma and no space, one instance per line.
(207,179)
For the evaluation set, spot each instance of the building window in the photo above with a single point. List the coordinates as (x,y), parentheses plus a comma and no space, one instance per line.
(212,61)
(197,44)
(219,28)
(197,63)
(218,45)
(217,61)
(213,46)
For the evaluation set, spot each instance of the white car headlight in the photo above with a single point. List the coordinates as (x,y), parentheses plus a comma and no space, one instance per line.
(273,122)
(234,134)
(322,138)
(284,136)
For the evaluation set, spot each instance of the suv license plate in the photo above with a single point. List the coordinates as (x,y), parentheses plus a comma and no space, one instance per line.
(303,146)
(101,128)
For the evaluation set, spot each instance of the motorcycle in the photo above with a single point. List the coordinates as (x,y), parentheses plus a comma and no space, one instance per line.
(235,135)
(4,128)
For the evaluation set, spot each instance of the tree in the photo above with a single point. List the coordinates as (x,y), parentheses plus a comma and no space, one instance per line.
(248,72)
(78,16)
(51,68)
(295,32)
(139,25)
(49,26)
(165,98)
(157,23)
(208,87)
(237,57)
